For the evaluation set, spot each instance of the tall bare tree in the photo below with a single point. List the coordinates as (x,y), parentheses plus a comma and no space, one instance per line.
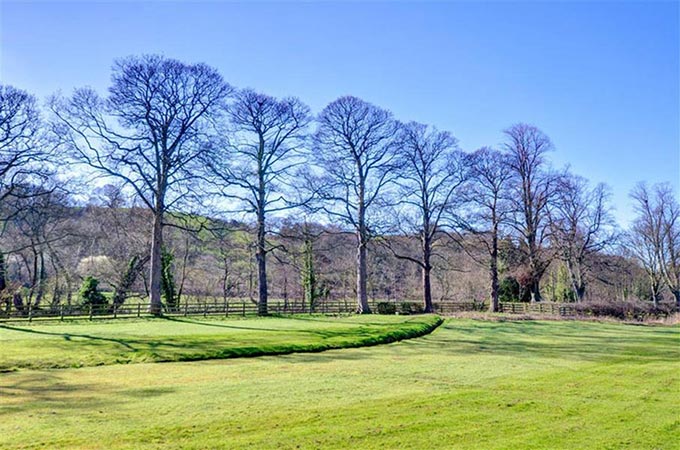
(23,153)
(354,148)
(150,132)
(533,188)
(257,168)
(655,238)
(489,197)
(645,238)
(38,227)
(431,174)
(582,227)
(670,250)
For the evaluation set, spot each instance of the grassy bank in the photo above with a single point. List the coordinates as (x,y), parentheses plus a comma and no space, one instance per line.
(57,345)
(470,384)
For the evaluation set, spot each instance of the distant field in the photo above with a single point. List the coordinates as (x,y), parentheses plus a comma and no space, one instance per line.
(470,384)
(85,343)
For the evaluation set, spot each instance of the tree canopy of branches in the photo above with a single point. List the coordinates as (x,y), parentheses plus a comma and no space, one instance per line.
(654,238)
(489,196)
(581,227)
(431,174)
(150,132)
(354,147)
(23,150)
(533,187)
(256,169)
(23,154)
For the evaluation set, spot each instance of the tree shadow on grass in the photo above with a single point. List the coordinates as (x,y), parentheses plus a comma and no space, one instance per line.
(353,325)
(572,341)
(49,391)
(67,336)
(34,391)
(222,325)
(568,340)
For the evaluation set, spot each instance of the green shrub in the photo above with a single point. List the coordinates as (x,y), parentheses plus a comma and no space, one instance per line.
(386,308)
(411,308)
(168,288)
(508,290)
(89,293)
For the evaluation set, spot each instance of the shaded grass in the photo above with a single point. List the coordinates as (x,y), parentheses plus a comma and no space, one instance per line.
(182,339)
(469,384)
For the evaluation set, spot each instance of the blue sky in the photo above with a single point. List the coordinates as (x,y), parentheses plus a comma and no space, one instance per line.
(602,79)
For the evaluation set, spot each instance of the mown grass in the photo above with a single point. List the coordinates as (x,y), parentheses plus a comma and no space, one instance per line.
(470,385)
(83,343)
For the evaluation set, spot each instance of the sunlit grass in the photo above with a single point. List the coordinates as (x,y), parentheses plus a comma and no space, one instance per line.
(84,343)
(470,384)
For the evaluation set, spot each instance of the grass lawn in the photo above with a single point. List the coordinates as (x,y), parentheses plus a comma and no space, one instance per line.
(60,345)
(469,384)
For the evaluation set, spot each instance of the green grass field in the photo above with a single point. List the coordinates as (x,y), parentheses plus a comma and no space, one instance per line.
(78,344)
(470,384)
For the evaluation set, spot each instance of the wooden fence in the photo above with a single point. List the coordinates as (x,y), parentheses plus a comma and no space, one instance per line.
(214,308)
(558,309)
(247,308)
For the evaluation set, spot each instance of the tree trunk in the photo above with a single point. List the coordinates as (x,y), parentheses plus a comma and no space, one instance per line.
(426,269)
(3,272)
(261,257)
(362,279)
(676,294)
(155,305)
(183,274)
(493,275)
(42,277)
(362,238)
(427,289)
(535,291)
(225,280)
(580,292)
(127,280)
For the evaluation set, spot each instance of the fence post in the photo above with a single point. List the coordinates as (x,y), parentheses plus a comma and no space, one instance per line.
(244,308)
(30,312)
(115,311)
(139,310)
(61,312)
(205,309)
(186,307)
(90,311)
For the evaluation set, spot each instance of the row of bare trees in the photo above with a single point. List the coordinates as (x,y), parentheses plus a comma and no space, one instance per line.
(192,148)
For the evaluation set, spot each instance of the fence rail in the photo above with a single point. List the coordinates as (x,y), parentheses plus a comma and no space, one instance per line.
(561,309)
(247,308)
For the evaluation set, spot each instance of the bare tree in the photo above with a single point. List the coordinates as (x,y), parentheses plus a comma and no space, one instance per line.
(489,197)
(582,226)
(23,155)
(533,187)
(150,132)
(432,173)
(266,144)
(670,250)
(22,145)
(38,226)
(354,148)
(655,238)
